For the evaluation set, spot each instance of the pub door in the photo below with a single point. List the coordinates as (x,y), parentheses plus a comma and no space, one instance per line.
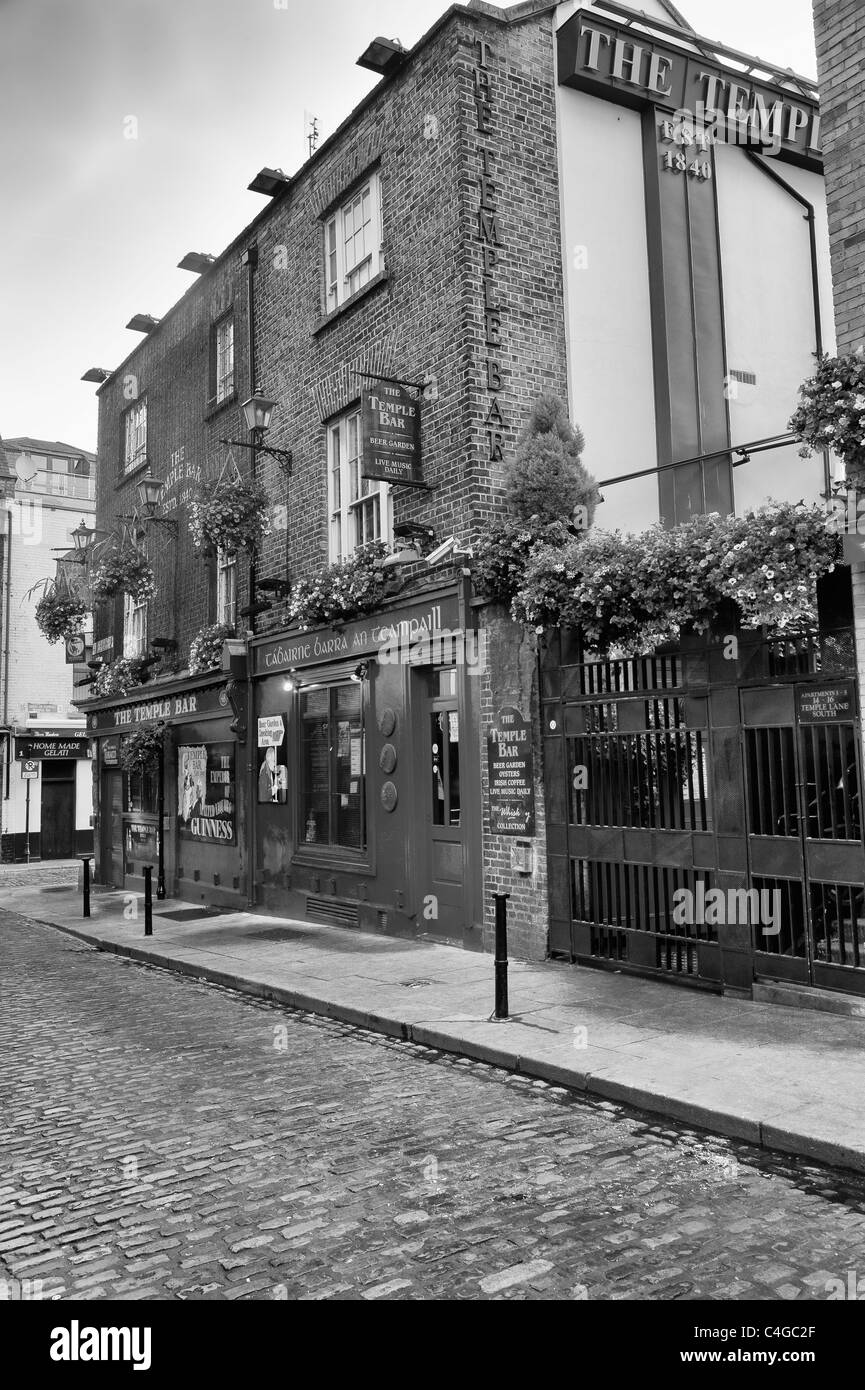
(111,829)
(803,777)
(57,838)
(442,911)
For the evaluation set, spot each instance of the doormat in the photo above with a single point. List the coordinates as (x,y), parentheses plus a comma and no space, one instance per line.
(185,914)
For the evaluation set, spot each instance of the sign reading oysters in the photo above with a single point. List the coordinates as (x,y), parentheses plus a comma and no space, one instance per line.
(391,434)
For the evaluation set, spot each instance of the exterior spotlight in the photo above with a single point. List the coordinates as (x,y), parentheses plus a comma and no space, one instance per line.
(290,681)
(360,672)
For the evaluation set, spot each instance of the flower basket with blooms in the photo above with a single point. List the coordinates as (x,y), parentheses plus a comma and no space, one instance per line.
(341,591)
(205,651)
(140,751)
(234,515)
(59,615)
(120,675)
(831,410)
(125,569)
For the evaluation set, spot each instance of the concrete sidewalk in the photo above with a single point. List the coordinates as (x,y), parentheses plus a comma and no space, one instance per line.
(782,1078)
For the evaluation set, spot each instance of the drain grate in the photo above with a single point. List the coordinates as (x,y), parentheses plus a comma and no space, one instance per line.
(186,914)
(414,984)
(336,913)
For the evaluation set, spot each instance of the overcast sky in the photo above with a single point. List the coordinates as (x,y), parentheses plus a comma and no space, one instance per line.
(94,222)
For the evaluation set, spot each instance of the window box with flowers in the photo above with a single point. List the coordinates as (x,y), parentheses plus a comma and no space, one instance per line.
(340,592)
(233,515)
(125,569)
(120,675)
(205,651)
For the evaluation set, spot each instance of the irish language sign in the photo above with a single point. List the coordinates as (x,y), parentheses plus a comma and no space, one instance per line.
(511,775)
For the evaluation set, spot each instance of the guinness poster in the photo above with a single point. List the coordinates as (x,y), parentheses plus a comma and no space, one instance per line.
(205,792)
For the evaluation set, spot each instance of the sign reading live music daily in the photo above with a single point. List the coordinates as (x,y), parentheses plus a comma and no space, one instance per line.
(390,426)
(511,775)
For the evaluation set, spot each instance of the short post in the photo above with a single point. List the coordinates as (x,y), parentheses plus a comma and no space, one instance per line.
(85,860)
(148,900)
(501,901)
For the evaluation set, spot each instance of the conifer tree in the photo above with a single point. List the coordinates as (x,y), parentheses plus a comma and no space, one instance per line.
(546,479)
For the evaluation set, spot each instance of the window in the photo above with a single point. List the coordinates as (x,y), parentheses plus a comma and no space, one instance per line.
(226,588)
(135,435)
(134,626)
(332,767)
(142,793)
(222,360)
(352,244)
(360,509)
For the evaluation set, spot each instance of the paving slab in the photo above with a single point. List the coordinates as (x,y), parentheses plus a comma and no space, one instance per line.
(784,1078)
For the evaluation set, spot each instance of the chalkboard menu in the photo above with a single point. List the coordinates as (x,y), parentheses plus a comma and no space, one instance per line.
(826,705)
(511,775)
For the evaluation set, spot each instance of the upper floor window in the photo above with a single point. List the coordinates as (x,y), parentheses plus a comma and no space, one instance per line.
(226,587)
(135,435)
(134,626)
(222,363)
(352,244)
(360,509)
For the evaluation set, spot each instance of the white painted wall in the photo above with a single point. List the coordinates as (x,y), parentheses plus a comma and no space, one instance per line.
(608,325)
(768,306)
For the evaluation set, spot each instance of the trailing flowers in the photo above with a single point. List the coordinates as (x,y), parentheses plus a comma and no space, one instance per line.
(341,591)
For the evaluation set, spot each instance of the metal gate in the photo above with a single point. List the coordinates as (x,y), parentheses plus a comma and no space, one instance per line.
(689,771)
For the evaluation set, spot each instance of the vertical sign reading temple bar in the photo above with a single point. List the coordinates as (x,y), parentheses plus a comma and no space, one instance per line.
(390,422)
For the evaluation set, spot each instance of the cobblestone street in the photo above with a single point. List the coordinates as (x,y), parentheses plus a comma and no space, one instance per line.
(163,1138)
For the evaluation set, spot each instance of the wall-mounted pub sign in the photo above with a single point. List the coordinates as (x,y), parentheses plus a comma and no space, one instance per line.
(390,426)
(511,775)
(49,744)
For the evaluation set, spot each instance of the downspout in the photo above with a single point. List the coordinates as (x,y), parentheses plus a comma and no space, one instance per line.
(250,260)
(815,275)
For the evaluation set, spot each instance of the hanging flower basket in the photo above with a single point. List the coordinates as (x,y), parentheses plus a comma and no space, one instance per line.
(831,410)
(125,569)
(234,515)
(120,675)
(346,590)
(59,615)
(140,752)
(205,651)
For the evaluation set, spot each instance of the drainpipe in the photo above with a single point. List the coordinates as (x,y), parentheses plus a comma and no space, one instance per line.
(250,261)
(815,273)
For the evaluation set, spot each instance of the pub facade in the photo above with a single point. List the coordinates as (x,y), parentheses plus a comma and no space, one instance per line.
(520,206)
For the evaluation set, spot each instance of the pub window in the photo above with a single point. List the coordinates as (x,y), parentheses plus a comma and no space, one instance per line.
(135,435)
(222,359)
(352,244)
(361,509)
(142,793)
(134,626)
(332,767)
(226,587)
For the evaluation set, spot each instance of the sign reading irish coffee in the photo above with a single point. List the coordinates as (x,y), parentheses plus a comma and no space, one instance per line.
(634,68)
(511,775)
(390,424)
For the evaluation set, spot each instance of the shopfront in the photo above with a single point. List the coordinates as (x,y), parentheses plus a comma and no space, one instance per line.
(368,786)
(49,786)
(181,815)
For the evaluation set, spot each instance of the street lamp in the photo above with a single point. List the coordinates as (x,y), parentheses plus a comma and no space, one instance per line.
(149,491)
(257,411)
(82,537)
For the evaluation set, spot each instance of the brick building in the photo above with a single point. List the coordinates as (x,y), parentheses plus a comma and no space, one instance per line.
(46,487)
(457,247)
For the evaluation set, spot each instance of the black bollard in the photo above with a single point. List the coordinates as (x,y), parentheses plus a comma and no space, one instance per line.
(501,901)
(85,860)
(148,900)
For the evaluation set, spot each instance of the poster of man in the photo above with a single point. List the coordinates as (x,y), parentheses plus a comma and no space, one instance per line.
(191,781)
(273,770)
(205,792)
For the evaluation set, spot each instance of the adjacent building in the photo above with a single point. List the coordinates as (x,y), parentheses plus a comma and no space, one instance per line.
(586,200)
(46,804)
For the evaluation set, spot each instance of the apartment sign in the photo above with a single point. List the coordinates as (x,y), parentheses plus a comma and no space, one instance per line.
(390,427)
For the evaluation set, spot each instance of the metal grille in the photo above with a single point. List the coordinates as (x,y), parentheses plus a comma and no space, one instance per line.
(771,772)
(627,676)
(328,910)
(637,896)
(831,782)
(655,780)
(838,923)
(791,939)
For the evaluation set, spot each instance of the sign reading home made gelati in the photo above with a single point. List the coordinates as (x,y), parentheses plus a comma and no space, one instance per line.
(826,705)
(390,425)
(51,744)
(511,775)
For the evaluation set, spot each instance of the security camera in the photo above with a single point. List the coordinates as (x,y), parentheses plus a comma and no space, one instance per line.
(442,551)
